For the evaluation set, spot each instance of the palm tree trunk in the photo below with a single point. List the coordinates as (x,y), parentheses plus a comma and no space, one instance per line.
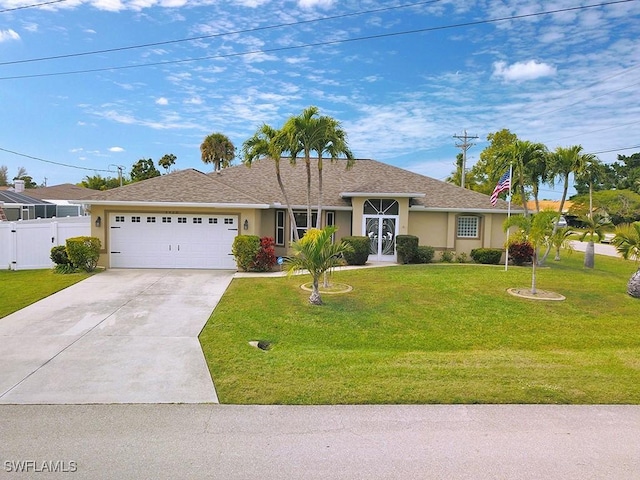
(307,162)
(633,287)
(555,225)
(589,254)
(319,222)
(315,298)
(533,271)
(292,217)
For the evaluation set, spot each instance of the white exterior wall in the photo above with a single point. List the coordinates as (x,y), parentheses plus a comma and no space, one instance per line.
(26,245)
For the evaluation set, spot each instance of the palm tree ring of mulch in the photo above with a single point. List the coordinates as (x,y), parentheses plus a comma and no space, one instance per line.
(333,289)
(539,295)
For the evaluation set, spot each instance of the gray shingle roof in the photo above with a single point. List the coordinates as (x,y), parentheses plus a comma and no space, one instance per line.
(257,185)
(183,186)
(366,176)
(65,191)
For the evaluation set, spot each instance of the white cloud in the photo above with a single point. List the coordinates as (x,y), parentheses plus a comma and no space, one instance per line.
(197,100)
(315,3)
(522,71)
(116,149)
(162,101)
(6,35)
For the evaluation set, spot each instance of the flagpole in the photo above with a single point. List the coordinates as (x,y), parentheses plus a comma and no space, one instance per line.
(506,256)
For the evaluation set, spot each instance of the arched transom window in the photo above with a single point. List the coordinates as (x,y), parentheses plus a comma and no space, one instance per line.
(381,206)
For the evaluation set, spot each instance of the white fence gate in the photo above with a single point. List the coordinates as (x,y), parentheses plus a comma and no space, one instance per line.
(26,245)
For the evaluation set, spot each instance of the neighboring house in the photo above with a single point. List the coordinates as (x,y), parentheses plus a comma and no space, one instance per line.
(64,196)
(189,219)
(18,206)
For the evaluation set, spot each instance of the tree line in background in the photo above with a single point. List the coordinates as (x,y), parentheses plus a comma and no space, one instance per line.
(612,190)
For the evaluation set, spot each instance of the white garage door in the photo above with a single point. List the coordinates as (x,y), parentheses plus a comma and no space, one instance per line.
(150,240)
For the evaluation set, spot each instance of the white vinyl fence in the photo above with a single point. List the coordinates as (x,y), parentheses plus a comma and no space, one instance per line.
(26,245)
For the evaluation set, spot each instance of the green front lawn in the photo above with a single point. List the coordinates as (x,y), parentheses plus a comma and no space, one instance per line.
(24,287)
(431,334)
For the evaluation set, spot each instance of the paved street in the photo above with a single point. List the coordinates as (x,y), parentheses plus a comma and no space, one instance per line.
(344,442)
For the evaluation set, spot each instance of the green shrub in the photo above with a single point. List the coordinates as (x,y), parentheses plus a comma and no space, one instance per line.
(360,249)
(446,256)
(245,249)
(425,254)
(487,256)
(84,252)
(59,255)
(407,248)
(462,257)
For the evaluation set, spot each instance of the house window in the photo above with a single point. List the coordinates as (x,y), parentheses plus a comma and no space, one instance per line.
(119,219)
(468,227)
(381,206)
(301,222)
(182,219)
(213,220)
(280,226)
(166,219)
(135,219)
(151,219)
(197,220)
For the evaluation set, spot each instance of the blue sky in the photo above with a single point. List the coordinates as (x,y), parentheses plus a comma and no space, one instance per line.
(566,78)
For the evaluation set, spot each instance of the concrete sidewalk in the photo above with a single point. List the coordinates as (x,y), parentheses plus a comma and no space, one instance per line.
(121,336)
(332,442)
(599,248)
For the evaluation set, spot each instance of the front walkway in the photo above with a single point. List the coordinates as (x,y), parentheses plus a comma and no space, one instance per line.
(121,336)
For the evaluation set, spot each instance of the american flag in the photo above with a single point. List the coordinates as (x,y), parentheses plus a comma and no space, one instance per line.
(503,184)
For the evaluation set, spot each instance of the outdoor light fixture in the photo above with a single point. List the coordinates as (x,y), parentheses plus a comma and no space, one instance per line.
(246,224)
(98,221)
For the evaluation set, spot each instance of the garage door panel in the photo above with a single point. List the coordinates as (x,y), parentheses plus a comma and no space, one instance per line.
(172,241)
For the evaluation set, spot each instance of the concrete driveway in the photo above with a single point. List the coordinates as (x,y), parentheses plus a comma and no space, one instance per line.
(121,336)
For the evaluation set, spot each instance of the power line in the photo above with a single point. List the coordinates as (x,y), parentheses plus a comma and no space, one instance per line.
(319,44)
(52,162)
(23,7)
(215,35)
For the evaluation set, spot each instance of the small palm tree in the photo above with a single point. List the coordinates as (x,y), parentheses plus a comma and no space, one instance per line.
(561,239)
(536,230)
(594,228)
(627,242)
(316,253)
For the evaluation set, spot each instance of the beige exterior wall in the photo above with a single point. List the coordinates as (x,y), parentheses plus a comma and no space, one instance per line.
(438,230)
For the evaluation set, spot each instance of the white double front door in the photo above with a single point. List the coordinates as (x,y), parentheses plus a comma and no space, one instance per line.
(382,231)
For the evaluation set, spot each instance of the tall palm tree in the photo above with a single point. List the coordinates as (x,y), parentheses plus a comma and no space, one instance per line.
(266,143)
(218,150)
(627,242)
(302,133)
(592,171)
(334,143)
(317,254)
(562,163)
(536,171)
(522,155)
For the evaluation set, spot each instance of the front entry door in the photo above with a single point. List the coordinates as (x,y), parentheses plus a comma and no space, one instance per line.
(382,232)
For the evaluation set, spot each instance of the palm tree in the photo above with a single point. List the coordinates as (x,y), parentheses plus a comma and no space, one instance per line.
(560,240)
(535,229)
(334,143)
(536,171)
(593,228)
(268,142)
(316,253)
(627,242)
(302,133)
(218,150)
(562,163)
(523,154)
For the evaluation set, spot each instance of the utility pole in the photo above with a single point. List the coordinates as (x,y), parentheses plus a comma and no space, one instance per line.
(120,168)
(464,145)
